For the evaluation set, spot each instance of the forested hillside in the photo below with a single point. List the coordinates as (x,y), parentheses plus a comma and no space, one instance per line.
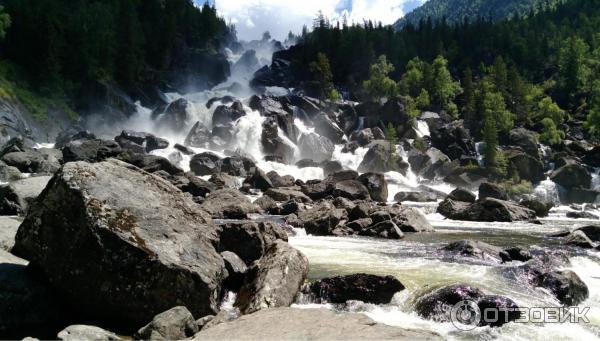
(455,11)
(66,46)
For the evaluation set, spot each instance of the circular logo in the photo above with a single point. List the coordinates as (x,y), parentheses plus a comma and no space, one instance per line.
(465,315)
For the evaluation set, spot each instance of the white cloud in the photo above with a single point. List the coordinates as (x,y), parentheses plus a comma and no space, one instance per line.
(253,17)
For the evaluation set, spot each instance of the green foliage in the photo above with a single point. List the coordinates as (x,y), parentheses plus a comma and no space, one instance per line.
(592,123)
(573,71)
(548,109)
(455,11)
(413,80)
(380,85)
(494,106)
(551,134)
(321,70)
(4,22)
(495,161)
(443,88)
(515,188)
(390,134)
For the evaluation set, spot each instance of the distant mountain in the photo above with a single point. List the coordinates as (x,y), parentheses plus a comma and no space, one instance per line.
(456,10)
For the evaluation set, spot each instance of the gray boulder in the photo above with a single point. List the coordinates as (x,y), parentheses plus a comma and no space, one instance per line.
(572,175)
(150,251)
(376,185)
(229,204)
(33,161)
(321,219)
(8,231)
(18,196)
(315,147)
(362,287)
(80,332)
(198,137)
(250,240)
(90,150)
(174,324)
(350,189)
(274,280)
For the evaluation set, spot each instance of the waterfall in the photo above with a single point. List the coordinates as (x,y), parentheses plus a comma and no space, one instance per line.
(479,150)
(422,128)
(547,191)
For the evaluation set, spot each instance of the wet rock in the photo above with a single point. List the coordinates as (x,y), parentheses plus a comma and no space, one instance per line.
(463,195)
(331,167)
(174,324)
(229,203)
(237,166)
(382,158)
(236,269)
(324,324)
(489,190)
(515,254)
(582,215)
(485,210)
(409,220)
(205,164)
(198,137)
(266,203)
(376,185)
(385,229)
(9,173)
(525,167)
(453,139)
(568,288)
(350,189)
(357,287)
(259,180)
(579,239)
(224,115)
(540,208)
(322,219)
(363,137)
(324,126)
(90,150)
(175,116)
(32,161)
(72,135)
(475,250)
(305,163)
(18,196)
(87,228)
(222,180)
(592,232)
(80,332)
(437,305)
(415,197)
(274,280)
(572,175)
(250,240)
(155,143)
(136,137)
(315,147)
(317,190)
(151,163)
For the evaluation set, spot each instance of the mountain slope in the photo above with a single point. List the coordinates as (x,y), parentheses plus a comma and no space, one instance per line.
(456,10)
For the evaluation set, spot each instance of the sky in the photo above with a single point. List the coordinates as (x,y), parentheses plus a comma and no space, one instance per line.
(253,17)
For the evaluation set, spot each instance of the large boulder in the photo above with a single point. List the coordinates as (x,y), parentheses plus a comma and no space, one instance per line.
(123,257)
(526,140)
(274,280)
(376,185)
(175,116)
(33,161)
(490,190)
(250,240)
(322,219)
(198,137)
(90,150)
(360,287)
(572,175)
(205,164)
(229,204)
(309,324)
(324,126)
(174,324)
(453,139)
(350,189)
(224,114)
(315,147)
(382,158)
(80,332)
(29,306)
(18,196)
(475,250)
(525,167)
(8,231)
(488,209)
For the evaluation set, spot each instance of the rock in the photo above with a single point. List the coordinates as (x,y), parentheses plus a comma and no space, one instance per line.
(578,196)
(568,288)
(236,269)
(286,194)
(87,228)
(315,147)
(32,161)
(525,139)
(317,190)
(174,324)
(8,231)
(325,324)
(376,185)
(222,180)
(250,240)
(69,135)
(358,287)
(409,220)
(437,305)
(183,149)
(592,232)
(540,208)
(175,116)
(18,196)
(455,210)
(452,139)
(363,137)
(525,167)
(194,185)
(229,203)
(224,115)
(80,332)
(281,181)
(259,180)
(415,197)
(204,321)
(579,239)
(138,138)
(90,150)
(381,158)
(9,173)
(305,163)
(582,215)
(274,280)
(475,250)
(266,203)
(350,189)
(29,306)
(322,219)
(489,190)
(198,137)
(515,254)
(151,163)
(324,126)
(155,143)
(205,164)
(237,166)
(385,229)
(485,210)
(572,175)
(463,195)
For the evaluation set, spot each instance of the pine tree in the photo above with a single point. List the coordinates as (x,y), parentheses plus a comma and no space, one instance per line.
(573,70)
(4,22)
(321,70)
(443,88)
(380,85)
